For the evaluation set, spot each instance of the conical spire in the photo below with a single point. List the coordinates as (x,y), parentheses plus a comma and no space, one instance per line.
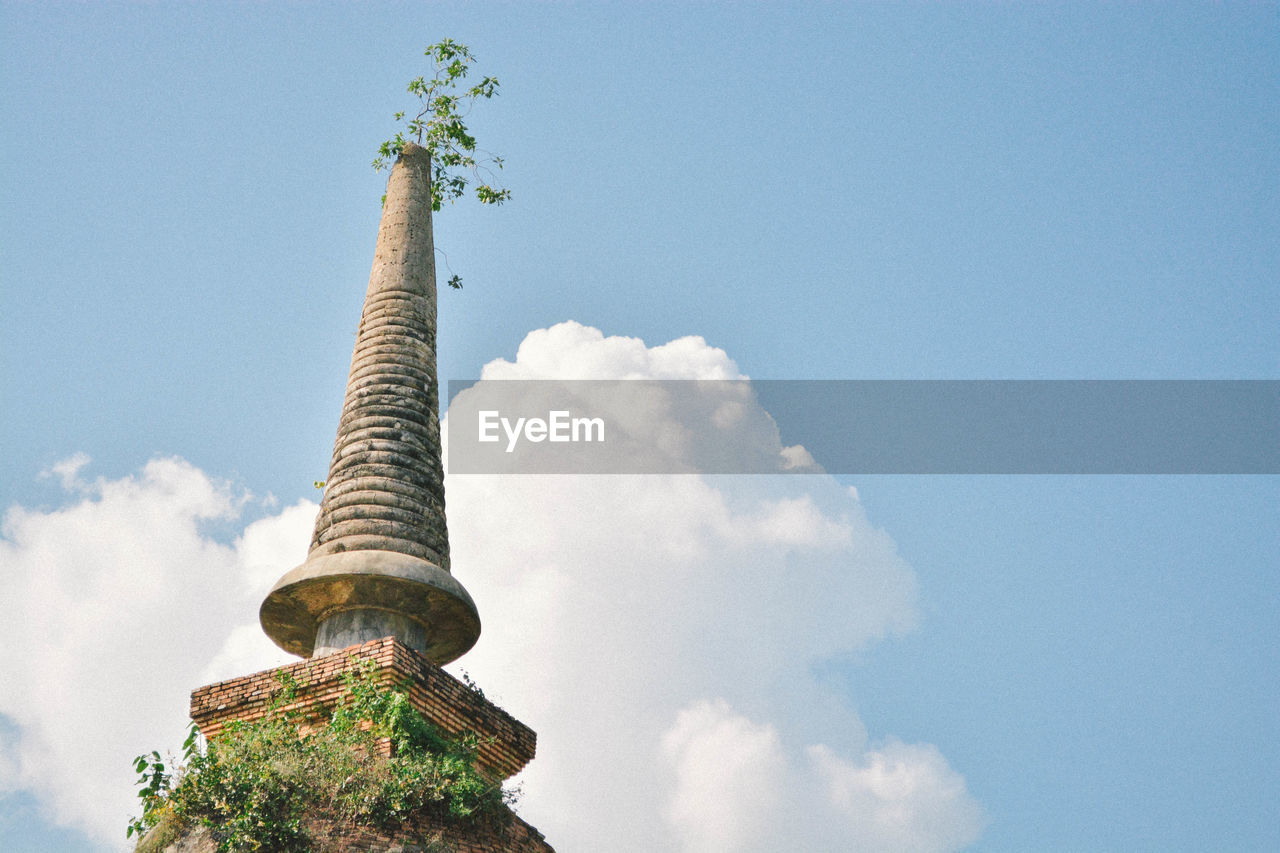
(379,558)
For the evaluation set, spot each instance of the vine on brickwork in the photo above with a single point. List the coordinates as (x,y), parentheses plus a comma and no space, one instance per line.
(255,783)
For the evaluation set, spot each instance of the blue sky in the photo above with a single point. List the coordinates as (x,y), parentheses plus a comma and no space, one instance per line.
(821,191)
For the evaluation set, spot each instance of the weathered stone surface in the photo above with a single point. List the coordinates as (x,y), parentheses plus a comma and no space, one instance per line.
(385,489)
(381,581)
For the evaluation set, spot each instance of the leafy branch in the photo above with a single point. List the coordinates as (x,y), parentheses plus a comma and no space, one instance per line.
(439,125)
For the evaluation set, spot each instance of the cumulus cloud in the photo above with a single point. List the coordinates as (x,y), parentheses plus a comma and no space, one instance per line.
(113,605)
(737,788)
(898,798)
(730,777)
(659,632)
(571,350)
(68,471)
(683,407)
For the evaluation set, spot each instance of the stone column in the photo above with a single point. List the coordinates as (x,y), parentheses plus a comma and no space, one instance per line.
(379,559)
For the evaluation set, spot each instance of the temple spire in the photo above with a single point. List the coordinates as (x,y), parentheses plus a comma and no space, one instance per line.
(379,559)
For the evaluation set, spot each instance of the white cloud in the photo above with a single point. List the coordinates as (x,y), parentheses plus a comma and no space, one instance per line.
(738,790)
(659,632)
(272,542)
(729,774)
(571,350)
(796,458)
(614,606)
(900,798)
(658,426)
(113,606)
(68,470)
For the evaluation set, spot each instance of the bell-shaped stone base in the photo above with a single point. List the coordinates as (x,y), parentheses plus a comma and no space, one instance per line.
(343,599)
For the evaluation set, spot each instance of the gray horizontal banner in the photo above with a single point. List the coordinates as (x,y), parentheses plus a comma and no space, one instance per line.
(864,427)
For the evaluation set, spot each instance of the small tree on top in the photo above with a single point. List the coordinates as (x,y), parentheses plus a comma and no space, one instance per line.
(439,126)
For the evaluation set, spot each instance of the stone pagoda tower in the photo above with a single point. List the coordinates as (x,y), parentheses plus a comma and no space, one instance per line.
(376,584)
(379,560)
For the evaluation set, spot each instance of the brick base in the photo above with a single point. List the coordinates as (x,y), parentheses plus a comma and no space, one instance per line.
(506,744)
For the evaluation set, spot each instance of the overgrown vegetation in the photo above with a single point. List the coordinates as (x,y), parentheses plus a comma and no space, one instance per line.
(256,783)
(439,125)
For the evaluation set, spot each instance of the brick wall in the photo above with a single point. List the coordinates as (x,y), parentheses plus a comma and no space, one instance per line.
(506,744)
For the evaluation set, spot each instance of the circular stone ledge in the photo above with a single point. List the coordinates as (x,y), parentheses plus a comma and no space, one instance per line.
(381,580)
